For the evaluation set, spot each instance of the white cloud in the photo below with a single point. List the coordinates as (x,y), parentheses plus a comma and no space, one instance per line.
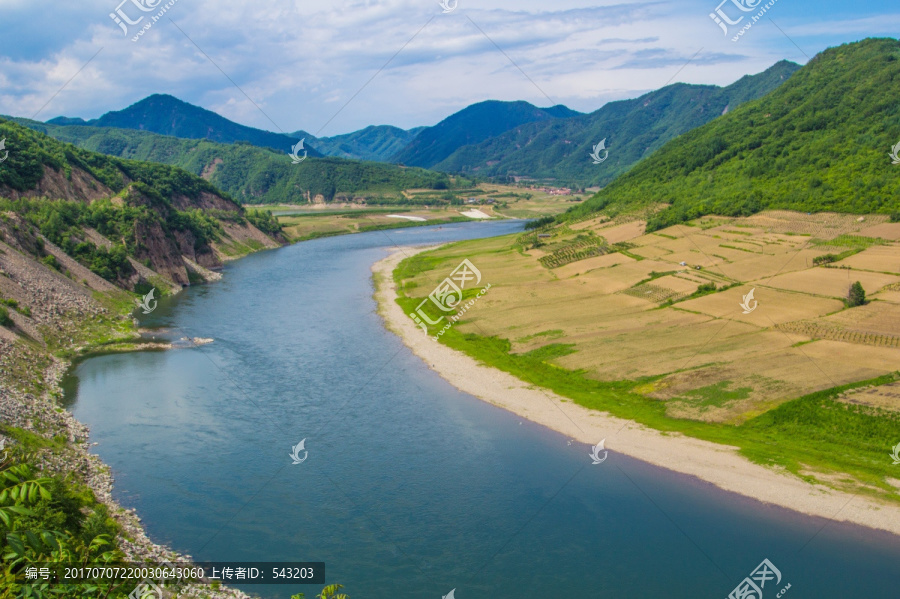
(301,62)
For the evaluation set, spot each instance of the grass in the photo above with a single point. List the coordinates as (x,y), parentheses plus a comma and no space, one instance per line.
(717,394)
(315,226)
(630,255)
(734,247)
(551,333)
(655,275)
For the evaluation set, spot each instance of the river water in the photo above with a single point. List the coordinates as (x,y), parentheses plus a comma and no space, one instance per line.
(411,488)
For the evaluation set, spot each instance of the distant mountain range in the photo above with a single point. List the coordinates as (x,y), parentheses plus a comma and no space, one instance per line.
(820,142)
(167,115)
(473,125)
(376,142)
(489,139)
(559,148)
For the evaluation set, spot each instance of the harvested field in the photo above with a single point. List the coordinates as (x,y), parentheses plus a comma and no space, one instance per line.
(833,282)
(583,266)
(638,312)
(623,232)
(889,231)
(882,258)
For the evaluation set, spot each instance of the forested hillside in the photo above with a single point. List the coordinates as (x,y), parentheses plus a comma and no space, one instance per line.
(472,125)
(250,174)
(376,142)
(131,223)
(633,129)
(820,142)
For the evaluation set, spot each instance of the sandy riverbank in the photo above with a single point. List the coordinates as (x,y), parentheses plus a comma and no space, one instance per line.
(717,464)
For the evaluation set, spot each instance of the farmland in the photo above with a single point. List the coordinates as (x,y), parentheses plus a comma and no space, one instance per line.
(657,319)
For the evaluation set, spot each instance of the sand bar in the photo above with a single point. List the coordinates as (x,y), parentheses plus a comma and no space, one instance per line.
(417,219)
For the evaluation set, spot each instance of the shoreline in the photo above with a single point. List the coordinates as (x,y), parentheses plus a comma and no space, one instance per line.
(25,410)
(41,413)
(720,465)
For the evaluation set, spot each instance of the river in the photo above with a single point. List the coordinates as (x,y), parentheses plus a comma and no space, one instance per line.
(410,488)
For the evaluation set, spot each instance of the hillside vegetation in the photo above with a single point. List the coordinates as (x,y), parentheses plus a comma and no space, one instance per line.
(250,174)
(126,221)
(633,129)
(820,142)
(376,142)
(471,125)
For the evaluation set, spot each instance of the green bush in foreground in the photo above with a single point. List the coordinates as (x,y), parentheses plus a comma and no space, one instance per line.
(43,520)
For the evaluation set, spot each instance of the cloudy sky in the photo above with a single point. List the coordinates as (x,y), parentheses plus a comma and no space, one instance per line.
(333,66)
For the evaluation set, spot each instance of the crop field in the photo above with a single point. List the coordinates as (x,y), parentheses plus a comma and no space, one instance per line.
(664,310)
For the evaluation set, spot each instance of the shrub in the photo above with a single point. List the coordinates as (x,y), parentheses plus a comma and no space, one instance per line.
(5,320)
(825,259)
(541,222)
(264,221)
(51,261)
(856,296)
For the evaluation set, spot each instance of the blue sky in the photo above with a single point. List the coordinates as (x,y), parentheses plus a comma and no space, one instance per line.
(319,65)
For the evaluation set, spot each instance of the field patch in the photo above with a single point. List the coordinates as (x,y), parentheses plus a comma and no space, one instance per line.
(833,282)
(884,230)
(623,232)
(773,305)
(885,259)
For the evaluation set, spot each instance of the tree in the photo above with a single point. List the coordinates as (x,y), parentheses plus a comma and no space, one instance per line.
(856,296)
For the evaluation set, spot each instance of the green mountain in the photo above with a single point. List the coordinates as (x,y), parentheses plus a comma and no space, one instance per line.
(376,143)
(168,115)
(472,125)
(251,174)
(633,129)
(96,218)
(820,142)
